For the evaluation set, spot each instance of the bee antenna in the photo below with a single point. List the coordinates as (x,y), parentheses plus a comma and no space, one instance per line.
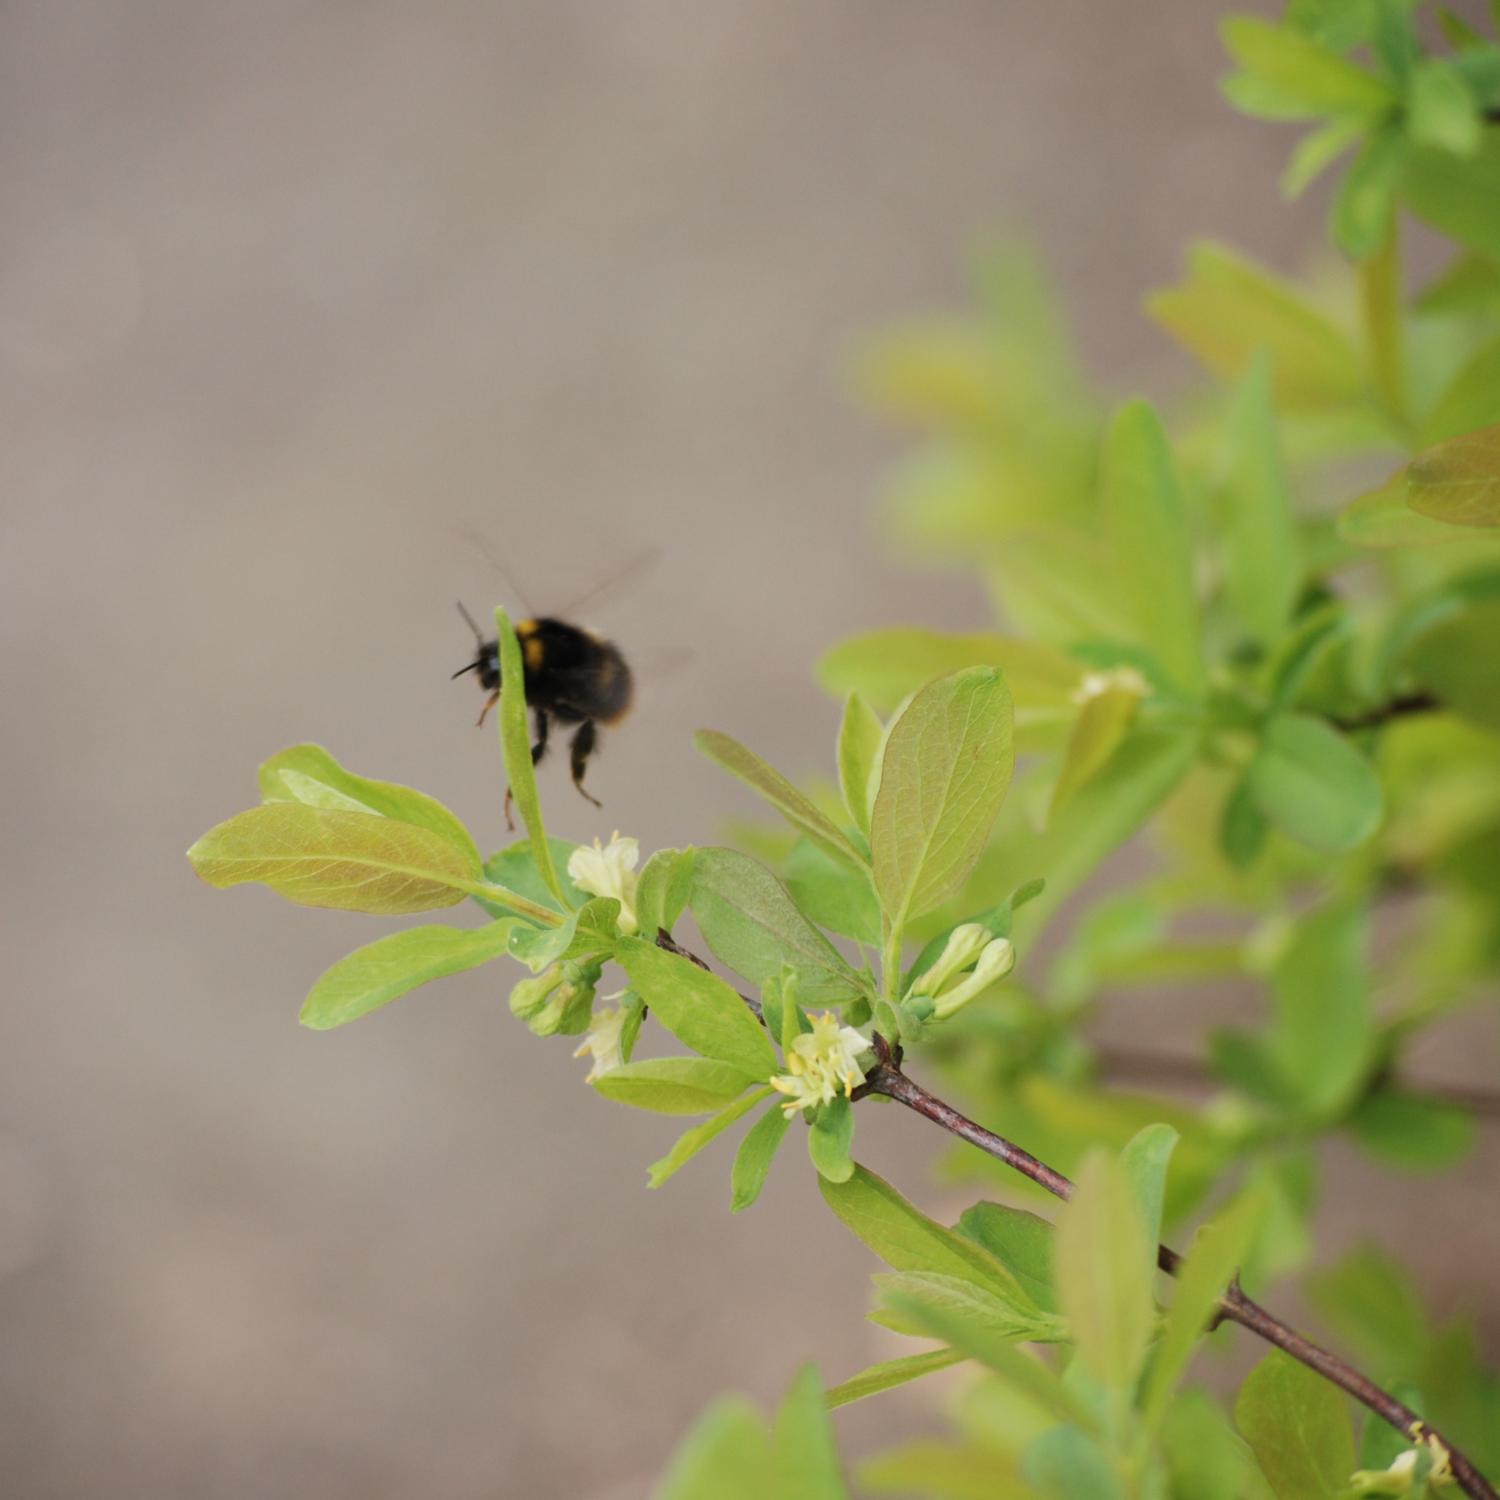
(471,622)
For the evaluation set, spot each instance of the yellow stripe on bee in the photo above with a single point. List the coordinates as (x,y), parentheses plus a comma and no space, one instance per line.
(531,644)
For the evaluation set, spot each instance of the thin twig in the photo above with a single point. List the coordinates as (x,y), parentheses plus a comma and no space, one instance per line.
(888,1079)
(1398,708)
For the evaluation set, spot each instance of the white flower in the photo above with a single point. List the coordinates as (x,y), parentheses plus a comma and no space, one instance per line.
(1397,1479)
(609,870)
(602,1040)
(820,1063)
(995,962)
(1115,680)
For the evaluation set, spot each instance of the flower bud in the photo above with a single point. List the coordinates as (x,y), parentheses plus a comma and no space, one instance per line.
(965,943)
(997,960)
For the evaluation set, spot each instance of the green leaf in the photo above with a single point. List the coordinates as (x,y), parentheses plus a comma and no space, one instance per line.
(515,751)
(1413,1131)
(1459,481)
(1150,549)
(590,932)
(1207,1270)
(1440,111)
(752,1162)
(1314,785)
(1298,1428)
(673,1085)
(666,884)
(1459,195)
(386,969)
(1020,1241)
(1243,827)
(1366,198)
(697,1007)
(1104,1274)
(1304,70)
(996,1352)
(1470,400)
(806,1458)
(861,736)
(889,1374)
(751,924)
(1205,1459)
(1145,1157)
(1455,659)
(1261,548)
(1317,150)
(692,1141)
(1369,1302)
(944,774)
(1064,1464)
(1100,730)
(310,775)
(830,1139)
(797,809)
(727,1456)
(833,895)
(1229,309)
(514,868)
(351,861)
(907,1240)
(1322,1041)
(1015,1317)
(1470,284)
(1383,518)
(885,667)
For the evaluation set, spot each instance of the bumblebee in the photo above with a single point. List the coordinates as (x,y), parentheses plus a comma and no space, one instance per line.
(572,676)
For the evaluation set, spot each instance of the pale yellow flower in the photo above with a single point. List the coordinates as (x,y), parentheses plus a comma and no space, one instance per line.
(821,1063)
(602,1041)
(1115,680)
(609,870)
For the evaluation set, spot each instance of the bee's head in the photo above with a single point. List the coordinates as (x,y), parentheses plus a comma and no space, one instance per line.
(486,657)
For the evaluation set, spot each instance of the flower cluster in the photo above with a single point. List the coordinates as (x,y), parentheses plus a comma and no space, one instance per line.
(609,870)
(604,1041)
(821,1063)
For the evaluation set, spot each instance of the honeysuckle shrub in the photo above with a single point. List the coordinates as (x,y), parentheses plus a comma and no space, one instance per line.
(1259,631)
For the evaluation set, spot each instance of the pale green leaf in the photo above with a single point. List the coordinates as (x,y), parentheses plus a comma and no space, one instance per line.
(807,1460)
(1304,69)
(1100,730)
(310,775)
(1145,1157)
(692,1141)
(1459,481)
(514,868)
(1229,309)
(1298,1428)
(1317,150)
(1104,1272)
(1440,110)
(975,1303)
(830,1139)
(796,808)
(673,1085)
(727,1456)
(1470,400)
(861,735)
(944,774)
(665,885)
(351,861)
(889,1374)
(1415,1132)
(1261,547)
(1459,195)
(1020,1241)
(1146,526)
(752,1162)
(1065,1464)
(1383,518)
(1455,659)
(907,1240)
(515,751)
(1314,785)
(751,924)
(386,969)
(1365,201)
(1207,1269)
(697,1007)
(835,896)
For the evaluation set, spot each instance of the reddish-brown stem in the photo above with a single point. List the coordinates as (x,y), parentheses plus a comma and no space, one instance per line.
(887,1078)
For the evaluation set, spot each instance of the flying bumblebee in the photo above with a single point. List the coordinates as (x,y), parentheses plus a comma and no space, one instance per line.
(572,676)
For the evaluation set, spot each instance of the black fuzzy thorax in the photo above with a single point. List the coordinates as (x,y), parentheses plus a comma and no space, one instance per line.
(570,672)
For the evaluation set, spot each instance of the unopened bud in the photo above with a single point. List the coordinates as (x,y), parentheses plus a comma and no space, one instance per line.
(965,943)
(997,960)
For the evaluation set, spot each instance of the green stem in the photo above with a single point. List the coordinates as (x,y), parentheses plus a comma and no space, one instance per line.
(500,895)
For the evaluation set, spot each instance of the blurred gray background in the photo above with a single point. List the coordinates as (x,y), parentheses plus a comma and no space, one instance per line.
(293,299)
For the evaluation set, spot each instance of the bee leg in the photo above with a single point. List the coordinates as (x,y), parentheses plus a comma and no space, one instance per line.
(538,750)
(489,703)
(578,754)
